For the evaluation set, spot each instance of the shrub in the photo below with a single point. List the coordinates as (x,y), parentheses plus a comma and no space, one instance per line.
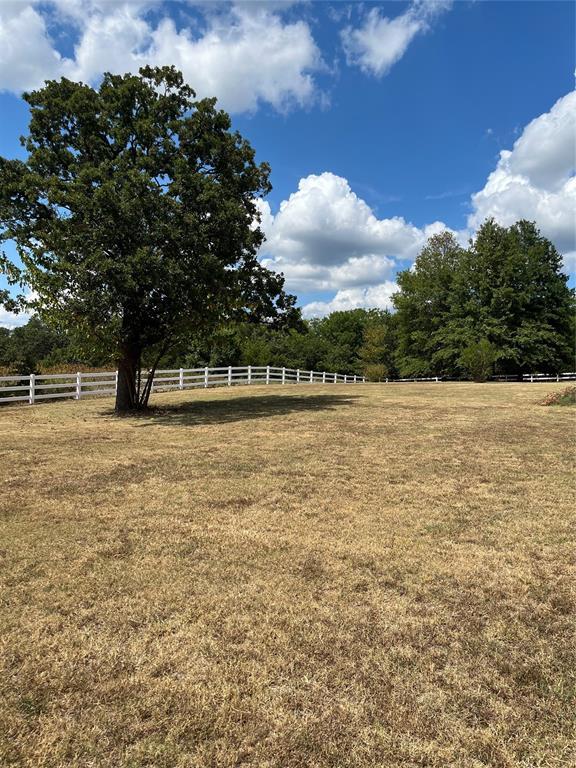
(478,359)
(375,371)
(562,397)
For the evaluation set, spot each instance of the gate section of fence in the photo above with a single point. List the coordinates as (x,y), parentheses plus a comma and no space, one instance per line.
(37,387)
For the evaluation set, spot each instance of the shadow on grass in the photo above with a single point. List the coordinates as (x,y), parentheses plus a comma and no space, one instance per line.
(202,412)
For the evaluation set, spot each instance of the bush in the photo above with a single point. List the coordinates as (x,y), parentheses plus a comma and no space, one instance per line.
(562,397)
(375,371)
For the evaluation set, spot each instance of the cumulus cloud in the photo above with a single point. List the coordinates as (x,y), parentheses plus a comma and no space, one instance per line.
(535,179)
(380,41)
(244,54)
(374,296)
(26,52)
(326,238)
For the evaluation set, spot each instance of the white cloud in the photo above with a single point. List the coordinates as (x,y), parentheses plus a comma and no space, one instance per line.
(535,179)
(245,55)
(380,42)
(570,262)
(545,151)
(26,52)
(326,238)
(11,319)
(376,296)
(245,58)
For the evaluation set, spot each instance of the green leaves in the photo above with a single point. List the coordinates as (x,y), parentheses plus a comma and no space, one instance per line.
(134,212)
(478,360)
(506,290)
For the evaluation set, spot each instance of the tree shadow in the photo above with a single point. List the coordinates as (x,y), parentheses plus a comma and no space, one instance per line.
(203,412)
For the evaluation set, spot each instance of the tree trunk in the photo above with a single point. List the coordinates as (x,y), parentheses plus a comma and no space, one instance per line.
(147,388)
(127,395)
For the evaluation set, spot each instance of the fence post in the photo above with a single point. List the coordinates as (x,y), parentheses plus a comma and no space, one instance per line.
(249,374)
(31,389)
(229,375)
(345,379)
(298,376)
(557,377)
(283,375)
(335,378)
(267,374)
(206,376)
(354,379)
(323,377)
(115,382)
(78,385)
(531,378)
(436,379)
(311,376)
(181,379)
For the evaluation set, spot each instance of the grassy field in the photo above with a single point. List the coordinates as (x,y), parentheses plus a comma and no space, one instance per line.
(302,577)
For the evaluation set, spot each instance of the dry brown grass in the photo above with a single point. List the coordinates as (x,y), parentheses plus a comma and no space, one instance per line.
(303,577)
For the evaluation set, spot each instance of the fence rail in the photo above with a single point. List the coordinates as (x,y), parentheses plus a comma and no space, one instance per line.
(527,377)
(37,387)
(535,377)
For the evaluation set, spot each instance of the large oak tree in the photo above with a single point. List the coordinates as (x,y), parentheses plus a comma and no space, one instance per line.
(135,221)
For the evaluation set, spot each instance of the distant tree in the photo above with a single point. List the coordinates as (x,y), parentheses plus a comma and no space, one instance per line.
(424,306)
(342,334)
(25,347)
(225,346)
(515,294)
(376,354)
(4,346)
(255,349)
(134,217)
(331,343)
(507,288)
(300,348)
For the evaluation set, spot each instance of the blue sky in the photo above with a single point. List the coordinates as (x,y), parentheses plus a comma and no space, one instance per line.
(383,123)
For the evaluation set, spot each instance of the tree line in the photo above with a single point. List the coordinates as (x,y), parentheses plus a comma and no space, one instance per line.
(500,306)
(333,343)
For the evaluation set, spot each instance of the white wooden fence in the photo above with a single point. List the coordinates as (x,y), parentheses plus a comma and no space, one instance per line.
(48,386)
(34,388)
(535,377)
(527,377)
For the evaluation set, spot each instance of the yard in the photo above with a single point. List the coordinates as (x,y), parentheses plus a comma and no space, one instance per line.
(295,577)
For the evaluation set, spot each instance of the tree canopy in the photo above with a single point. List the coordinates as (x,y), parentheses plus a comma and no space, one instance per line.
(135,220)
(506,292)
